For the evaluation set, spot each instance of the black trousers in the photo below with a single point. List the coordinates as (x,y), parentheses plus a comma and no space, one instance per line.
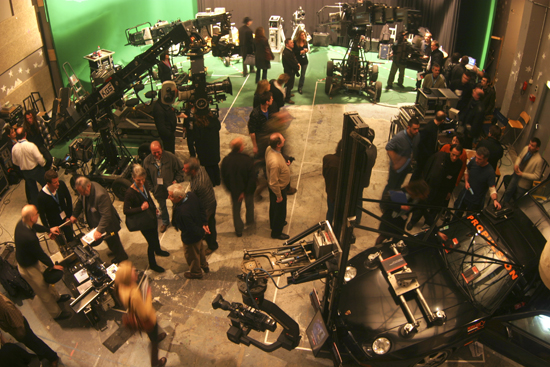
(152,238)
(169,143)
(289,86)
(277,212)
(114,244)
(36,344)
(214,174)
(154,337)
(212,238)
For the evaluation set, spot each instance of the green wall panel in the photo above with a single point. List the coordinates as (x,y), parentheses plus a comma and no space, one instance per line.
(79,26)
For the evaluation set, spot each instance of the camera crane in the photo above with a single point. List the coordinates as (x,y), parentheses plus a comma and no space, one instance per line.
(113,161)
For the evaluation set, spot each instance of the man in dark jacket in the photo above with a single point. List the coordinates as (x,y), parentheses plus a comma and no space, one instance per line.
(436,56)
(291,67)
(246,42)
(190,218)
(201,185)
(166,119)
(55,206)
(257,125)
(493,144)
(100,214)
(163,169)
(440,172)
(29,254)
(427,145)
(165,69)
(401,51)
(472,115)
(239,177)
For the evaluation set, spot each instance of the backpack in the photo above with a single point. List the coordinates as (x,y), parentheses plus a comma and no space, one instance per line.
(11,280)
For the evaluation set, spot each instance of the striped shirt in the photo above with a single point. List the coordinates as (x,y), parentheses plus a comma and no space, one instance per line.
(202,187)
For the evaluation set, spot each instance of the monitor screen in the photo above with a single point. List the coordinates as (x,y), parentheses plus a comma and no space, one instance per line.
(472,61)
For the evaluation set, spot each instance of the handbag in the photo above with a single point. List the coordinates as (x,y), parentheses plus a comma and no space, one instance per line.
(268,54)
(250,59)
(141,221)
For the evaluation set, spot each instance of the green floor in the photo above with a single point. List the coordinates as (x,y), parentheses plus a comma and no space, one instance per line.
(314,88)
(315,79)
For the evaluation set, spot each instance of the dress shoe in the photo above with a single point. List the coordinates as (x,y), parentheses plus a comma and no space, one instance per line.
(64,298)
(282,236)
(162,228)
(209,251)
(292,94)
(63,315)
(289,102)
(291,191)
(239,234)
(161,337)
(162,253)
(188,275)
(158,269)
(206,269)
(300,90)
(400,85)
(388,87)
(161,362)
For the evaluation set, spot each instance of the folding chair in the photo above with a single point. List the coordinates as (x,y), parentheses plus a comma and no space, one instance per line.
(519,124)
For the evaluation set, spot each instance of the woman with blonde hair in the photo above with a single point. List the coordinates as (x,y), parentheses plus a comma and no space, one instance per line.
(262,86)
(301,49)
(263,54)
(139,306)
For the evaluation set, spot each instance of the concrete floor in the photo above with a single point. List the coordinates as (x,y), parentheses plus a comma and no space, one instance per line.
(197,333)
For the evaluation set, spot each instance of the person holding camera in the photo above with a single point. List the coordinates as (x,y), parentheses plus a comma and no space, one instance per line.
(165,116)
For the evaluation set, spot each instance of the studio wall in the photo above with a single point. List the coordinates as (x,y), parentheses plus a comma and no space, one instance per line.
(79,27)
(23,67)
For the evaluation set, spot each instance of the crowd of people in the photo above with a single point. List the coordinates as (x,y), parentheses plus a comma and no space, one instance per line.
(189,185)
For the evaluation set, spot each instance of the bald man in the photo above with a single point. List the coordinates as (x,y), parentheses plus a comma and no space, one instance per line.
(29,254)
(278,181)
(239,177)
(163,169)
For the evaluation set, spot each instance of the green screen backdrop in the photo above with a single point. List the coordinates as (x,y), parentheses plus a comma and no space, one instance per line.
(79,26)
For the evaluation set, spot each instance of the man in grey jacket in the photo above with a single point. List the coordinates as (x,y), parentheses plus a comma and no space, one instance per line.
(163,169)
(100,214)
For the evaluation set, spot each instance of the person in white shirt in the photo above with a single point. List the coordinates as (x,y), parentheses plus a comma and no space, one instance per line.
(28,158)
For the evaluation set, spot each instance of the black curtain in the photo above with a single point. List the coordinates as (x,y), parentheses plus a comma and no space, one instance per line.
(439,16)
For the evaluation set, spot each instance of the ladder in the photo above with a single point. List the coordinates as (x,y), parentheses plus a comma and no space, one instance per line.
(77,90)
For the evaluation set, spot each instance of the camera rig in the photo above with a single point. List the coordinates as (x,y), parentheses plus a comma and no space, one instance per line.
(302,261)
(354,72)
(101,108)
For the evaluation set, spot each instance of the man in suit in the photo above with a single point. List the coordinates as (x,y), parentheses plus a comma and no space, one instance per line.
(163,169)
(100,214)
(239,178)
(55,206)
(291,67)
(246,42)
(527,168)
